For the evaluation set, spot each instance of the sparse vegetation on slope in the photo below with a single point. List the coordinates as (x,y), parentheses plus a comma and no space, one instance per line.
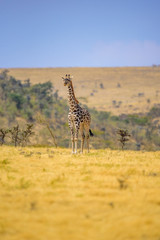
(23,102)
(117,90)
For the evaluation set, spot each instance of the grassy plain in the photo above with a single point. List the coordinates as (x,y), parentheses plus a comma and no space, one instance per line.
(47,193)
(138,91)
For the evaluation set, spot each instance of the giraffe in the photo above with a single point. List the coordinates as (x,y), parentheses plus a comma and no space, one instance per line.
(78,118)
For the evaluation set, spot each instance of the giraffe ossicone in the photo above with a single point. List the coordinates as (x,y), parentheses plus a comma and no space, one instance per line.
(79,118)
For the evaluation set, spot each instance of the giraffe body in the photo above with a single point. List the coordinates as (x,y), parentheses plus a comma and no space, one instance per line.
(79,118)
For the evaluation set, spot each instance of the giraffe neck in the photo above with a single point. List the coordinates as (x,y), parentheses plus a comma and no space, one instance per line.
(73,102)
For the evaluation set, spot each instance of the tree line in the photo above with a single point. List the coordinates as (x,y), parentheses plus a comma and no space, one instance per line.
(23,99)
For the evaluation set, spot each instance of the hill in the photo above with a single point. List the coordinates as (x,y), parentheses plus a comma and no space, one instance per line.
(47,193)
(23,103)
(117,90)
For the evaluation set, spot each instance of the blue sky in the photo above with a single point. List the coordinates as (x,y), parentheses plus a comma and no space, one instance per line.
(79,33)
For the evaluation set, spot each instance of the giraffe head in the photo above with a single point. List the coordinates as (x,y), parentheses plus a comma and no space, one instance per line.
(67,80)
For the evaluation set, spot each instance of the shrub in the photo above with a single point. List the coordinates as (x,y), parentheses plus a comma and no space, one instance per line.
(124,137)
(138,120)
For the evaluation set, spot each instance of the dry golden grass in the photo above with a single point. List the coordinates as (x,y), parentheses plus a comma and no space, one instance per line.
(133,80)
(49,194)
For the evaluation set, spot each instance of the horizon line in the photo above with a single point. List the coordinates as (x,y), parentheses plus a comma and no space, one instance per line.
(153,65)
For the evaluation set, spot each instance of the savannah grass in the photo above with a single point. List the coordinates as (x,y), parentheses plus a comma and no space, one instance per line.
(47,193)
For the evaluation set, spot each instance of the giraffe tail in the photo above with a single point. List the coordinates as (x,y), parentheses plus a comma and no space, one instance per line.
(91,133)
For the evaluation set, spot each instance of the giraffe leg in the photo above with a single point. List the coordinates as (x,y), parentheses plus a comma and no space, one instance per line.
(82,142)
(82,137)
(87,138)
(77,126)
(72,133)
(72,139)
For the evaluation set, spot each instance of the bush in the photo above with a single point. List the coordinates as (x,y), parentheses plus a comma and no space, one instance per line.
(18,99)
(138,120)
(154,112)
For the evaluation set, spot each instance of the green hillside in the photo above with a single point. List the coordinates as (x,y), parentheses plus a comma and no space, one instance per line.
(24,102)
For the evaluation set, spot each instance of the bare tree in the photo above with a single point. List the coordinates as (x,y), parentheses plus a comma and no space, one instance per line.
(15,135)
(3,133)
(26,134)
(43,121)
(20,136)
